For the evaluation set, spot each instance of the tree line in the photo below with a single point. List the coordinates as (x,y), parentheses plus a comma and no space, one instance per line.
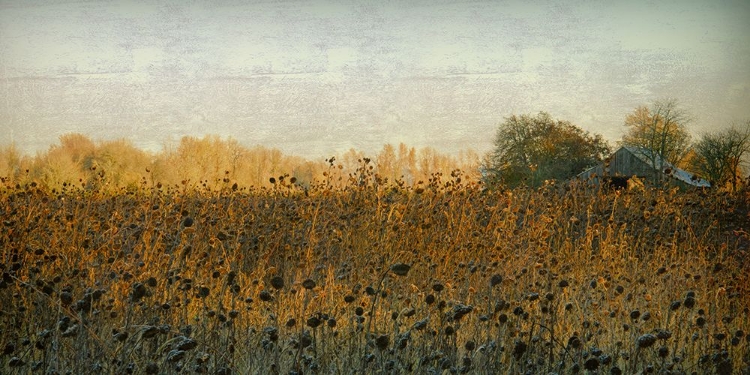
(211,162)
(531,149)
(528,150)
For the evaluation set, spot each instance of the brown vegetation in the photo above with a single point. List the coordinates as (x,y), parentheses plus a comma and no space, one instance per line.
(371,277)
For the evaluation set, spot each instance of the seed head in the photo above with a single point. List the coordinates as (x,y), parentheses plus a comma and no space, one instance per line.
(495,280)
(382,341)
(591,364)
(400,269)
(663,351)
(449,330)
(459,311)
(663,334)
(646,340)
(430,299)
(689,302)
(519,348)
(308,284)
(574,342)
(313,322)
(266,296)
(277,282)
(187,222)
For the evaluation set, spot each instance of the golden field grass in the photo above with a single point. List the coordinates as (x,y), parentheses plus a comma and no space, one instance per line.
(373,277)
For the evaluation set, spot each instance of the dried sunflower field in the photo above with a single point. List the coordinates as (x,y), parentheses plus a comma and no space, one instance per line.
(372,277)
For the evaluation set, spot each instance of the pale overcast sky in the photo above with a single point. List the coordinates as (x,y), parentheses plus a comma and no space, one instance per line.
(315,78)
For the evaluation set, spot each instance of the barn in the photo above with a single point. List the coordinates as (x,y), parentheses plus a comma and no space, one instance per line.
(630,161)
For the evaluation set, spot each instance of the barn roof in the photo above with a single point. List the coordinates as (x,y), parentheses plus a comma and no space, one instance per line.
(644,155)
(680,174)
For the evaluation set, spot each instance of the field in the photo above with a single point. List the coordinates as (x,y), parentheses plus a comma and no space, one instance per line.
(373,277)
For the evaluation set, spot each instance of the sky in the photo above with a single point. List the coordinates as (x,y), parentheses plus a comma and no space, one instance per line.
(315,78)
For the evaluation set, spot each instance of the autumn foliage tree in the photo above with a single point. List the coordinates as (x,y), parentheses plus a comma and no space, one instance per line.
(410,165)
(12,163)
(531,149)
(209,162)
(64,162)
(659,133)
(213,163)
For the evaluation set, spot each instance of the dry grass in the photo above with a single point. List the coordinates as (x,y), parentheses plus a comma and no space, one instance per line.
(373,277)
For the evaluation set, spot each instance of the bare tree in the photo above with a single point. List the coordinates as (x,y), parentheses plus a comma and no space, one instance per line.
(720,155)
